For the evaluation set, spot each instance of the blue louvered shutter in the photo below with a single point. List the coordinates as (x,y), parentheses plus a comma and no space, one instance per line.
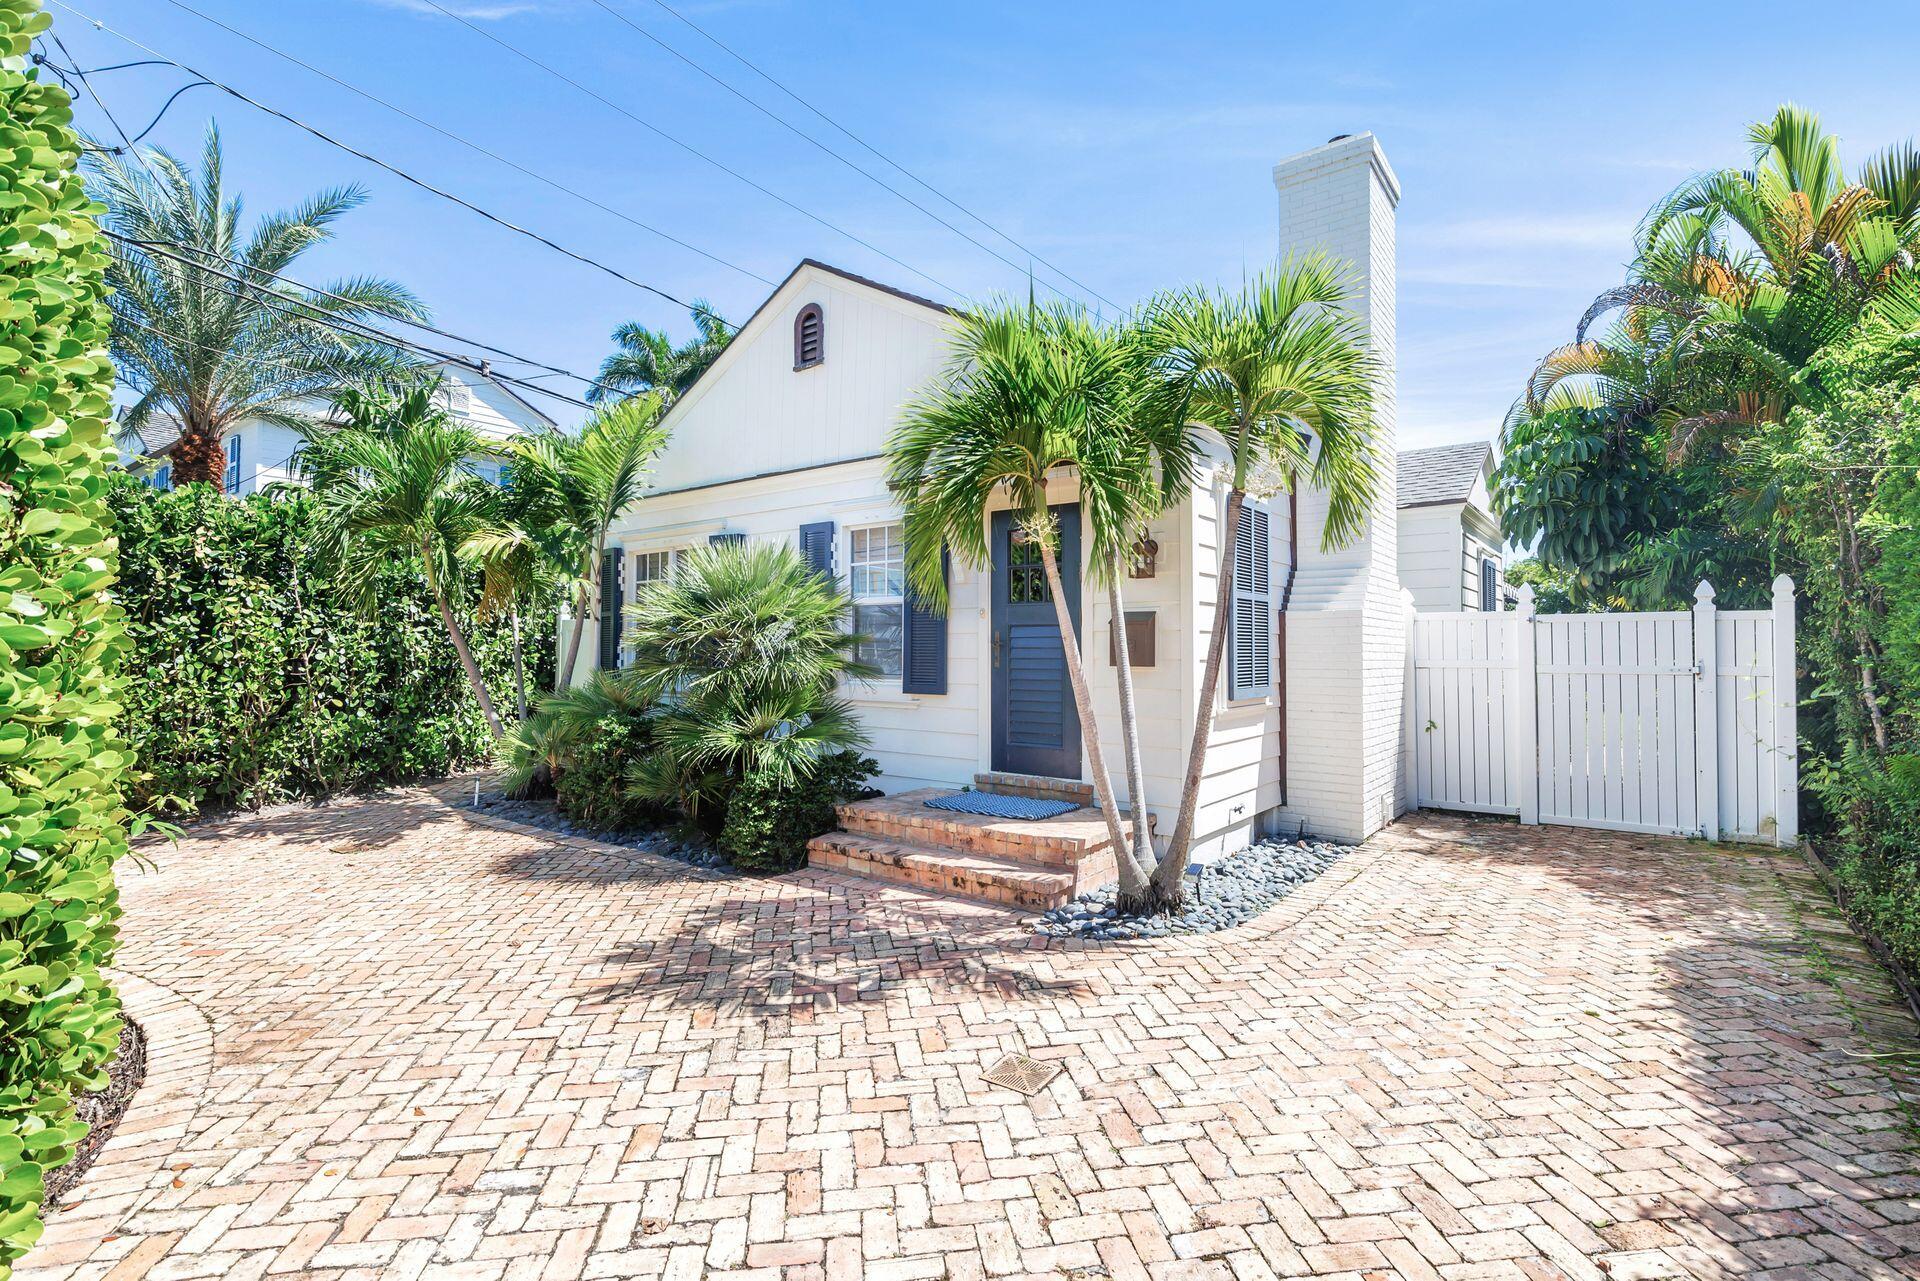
(816,547)
(721,540)
(610,603)
(923,642)
(1250,640)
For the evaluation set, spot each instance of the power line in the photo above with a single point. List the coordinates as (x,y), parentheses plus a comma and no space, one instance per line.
(468,143)
(360,330)
(744,61)
(878,181)
(687,147)
(510,357)
(400,173)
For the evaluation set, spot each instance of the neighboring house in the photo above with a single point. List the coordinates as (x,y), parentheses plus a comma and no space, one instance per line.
(260,454)
(781,440)
(1450,541)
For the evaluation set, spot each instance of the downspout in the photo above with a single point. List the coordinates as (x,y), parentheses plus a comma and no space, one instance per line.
(1286,599)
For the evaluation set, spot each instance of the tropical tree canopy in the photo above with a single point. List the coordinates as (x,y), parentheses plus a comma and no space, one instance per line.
(648,360)
(569,489)
(393,482)
(1618,450)
(209,351)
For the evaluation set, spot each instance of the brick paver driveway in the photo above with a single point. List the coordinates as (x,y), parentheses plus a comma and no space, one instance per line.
(392,1041)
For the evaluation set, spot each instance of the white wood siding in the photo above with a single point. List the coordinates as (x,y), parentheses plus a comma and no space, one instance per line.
(755,414)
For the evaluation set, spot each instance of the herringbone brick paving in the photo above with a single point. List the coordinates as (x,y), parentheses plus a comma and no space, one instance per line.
(441,1048)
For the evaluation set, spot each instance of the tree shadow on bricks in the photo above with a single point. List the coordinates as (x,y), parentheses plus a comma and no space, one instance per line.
(787,948)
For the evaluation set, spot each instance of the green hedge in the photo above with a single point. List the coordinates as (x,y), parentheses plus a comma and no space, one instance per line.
(62,825)
(249,682)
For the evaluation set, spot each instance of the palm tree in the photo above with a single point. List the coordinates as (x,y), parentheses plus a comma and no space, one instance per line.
(1027,393)
(574,488)
(516,574)
(394,482)
(648,360)
(743,647)
(209,350)
(1280,373)
(1739,278)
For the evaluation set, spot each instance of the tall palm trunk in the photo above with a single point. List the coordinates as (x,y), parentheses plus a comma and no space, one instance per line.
(1168,885)
(1129,725)
(588,603)
(1133,878)
(519,670)
(459,640)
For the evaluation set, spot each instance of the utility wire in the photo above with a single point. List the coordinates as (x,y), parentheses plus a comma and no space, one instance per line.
(870,176)
(346,325)
(689,148)
(508,356)
(469,143)
(397,172)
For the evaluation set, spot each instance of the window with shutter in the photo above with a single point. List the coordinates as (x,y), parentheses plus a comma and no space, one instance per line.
(722,540)
(876,579)
(816,547)
(233,464)
(1250,640)
(923,660)
(1489,575)
(809,337)
(611,599)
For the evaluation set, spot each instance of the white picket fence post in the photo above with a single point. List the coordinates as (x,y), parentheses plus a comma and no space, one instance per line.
(1706,709)
(1523,732)
(1786,717)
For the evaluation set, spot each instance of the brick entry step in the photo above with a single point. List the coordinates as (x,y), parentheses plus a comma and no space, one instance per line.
(1028,865)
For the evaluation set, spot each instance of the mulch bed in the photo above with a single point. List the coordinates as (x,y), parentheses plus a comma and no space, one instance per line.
(103,1109)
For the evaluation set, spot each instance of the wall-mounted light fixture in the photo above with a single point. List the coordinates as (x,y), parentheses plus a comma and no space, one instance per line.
(1145,552)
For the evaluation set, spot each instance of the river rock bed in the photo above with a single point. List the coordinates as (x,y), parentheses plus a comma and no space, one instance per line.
(1232,891)
(545,815)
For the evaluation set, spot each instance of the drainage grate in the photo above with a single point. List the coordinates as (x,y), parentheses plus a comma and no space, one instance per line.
(1021,1074)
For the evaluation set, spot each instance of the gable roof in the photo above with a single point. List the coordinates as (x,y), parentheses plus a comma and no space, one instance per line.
(1443,474)
(712,370)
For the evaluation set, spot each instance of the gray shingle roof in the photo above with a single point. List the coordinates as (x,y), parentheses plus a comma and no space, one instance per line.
(1443,474)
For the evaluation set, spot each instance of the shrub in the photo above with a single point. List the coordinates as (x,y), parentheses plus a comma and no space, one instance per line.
(251,681)
(770,821)
(744,647)
(581,743)
(62,825)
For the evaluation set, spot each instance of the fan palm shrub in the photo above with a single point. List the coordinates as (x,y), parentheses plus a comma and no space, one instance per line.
(1279,376)
(191,343)
(579,744)
(1028,393)
(649,361)
(394,481)
(569,489)
(744,648)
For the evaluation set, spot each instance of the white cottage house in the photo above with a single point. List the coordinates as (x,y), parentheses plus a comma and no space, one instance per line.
(260,454)
(782,439)
(1450,557)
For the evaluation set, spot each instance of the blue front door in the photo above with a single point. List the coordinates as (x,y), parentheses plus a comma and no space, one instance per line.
(1035,728)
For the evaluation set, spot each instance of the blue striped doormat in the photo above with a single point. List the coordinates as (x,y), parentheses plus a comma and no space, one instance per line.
(994,805)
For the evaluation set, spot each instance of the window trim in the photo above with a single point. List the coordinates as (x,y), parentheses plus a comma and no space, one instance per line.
(814,312)
(1489,584)
(898,525)
(231,472)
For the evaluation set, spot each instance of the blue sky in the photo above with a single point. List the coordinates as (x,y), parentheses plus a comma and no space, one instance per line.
(1129,144)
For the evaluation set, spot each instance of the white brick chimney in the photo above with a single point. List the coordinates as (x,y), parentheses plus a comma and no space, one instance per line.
(1346,620)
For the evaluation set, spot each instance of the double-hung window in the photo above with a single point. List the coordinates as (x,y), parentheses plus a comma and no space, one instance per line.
(876,572)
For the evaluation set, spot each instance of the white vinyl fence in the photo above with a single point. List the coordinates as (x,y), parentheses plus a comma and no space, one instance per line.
(1680,722)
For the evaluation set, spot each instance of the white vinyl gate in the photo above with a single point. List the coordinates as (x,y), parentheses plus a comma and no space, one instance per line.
(1679,722)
